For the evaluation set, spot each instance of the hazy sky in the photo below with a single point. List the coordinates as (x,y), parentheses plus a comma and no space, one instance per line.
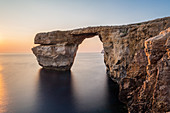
(20,20)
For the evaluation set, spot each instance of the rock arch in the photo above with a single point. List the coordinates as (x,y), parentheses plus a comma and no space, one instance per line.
(57,49)
(125,56)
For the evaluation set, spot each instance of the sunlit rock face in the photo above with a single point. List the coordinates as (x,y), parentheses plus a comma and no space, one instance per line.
(148,89)
(158,70)
(58,57)
(130,56)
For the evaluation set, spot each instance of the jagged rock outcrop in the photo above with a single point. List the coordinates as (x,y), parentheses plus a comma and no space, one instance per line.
(127,62)
(148,90)
(156,87)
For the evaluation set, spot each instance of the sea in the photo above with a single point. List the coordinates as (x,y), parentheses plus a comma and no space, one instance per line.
(25,87)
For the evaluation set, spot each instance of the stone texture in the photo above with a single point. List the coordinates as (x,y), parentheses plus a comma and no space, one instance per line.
(58,57)
(148,89)
(158,70)
(134,67)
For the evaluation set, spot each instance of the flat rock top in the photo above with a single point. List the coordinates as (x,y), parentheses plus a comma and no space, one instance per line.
(57,36)
(101,28)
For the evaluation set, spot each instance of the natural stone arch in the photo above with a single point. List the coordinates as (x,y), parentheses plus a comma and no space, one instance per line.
(57,49)
(125,51)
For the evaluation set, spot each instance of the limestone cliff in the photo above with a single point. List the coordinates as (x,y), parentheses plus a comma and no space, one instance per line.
(131,56)
(150,91)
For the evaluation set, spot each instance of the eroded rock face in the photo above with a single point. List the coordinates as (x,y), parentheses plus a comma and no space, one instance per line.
(147,89)
(158,70)
(58,57)
(135,60)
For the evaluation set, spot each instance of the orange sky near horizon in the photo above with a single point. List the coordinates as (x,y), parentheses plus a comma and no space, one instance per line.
(20,39)
(24,45)
(21,19)
(12,43)
(91,45)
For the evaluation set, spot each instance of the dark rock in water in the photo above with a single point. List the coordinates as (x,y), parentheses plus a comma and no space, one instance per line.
(136,57)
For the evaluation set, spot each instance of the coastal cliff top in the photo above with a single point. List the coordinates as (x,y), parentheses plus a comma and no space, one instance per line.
(71,36)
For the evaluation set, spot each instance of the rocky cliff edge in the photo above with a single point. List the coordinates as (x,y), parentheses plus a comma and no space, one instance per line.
(137,57)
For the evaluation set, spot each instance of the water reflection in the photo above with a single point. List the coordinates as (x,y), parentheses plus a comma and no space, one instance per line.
(55,92)
(25,88)
(61,92)
(112,98)
(3,94)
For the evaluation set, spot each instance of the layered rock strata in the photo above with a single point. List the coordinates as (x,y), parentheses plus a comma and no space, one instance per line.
(150,91)
(58,57)
(137,62)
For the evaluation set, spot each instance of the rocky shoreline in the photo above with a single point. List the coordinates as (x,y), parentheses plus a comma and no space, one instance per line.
(137,57)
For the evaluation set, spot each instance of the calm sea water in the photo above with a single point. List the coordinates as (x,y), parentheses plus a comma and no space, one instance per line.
(27,88)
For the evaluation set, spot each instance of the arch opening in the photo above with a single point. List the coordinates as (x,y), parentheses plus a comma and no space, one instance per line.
(89,69)
(89,45)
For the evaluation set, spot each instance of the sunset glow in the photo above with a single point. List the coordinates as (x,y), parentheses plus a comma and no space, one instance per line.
(84,56)
(1,68)
(91,45)
(3,94)
(22,19)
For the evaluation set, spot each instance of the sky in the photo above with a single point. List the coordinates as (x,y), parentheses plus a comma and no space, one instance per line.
(20,20)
